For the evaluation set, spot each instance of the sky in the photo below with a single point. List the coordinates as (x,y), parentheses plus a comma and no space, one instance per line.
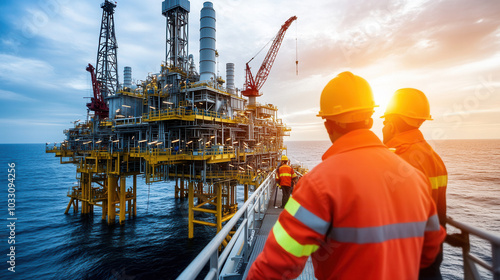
(449,49)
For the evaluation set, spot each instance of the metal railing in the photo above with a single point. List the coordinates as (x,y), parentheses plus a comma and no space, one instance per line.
(252,210)
(183,112)
(256,205)
(469,260)
(127,121)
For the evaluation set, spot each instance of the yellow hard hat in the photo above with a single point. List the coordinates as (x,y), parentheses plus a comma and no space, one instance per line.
(347,98)
(411,104)
(284,158)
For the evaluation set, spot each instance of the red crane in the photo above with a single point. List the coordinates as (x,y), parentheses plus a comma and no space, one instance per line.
(97,103)
(253,85)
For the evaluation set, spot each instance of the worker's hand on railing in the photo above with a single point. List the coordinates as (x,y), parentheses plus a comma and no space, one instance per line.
(457,239)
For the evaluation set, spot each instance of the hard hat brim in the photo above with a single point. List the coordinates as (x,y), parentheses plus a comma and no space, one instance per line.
(426,119)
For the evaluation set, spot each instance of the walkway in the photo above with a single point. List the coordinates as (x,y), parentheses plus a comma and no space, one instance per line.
(270,218)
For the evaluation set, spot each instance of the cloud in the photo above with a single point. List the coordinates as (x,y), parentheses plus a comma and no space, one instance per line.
(307,112)
(21,70)
(446,35)
(430,34)
(12,96)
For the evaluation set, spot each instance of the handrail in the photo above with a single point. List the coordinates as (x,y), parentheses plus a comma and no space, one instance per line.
(184,112)
(469,260)
(210,252)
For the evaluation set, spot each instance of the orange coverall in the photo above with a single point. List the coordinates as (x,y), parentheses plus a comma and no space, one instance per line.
(412,147)
(363,213)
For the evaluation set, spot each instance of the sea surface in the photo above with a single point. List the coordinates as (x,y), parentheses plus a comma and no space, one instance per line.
(154,245)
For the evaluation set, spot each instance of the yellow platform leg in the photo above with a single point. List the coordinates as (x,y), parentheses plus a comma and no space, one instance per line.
(123,205)
(232,194)
(176,187)
(219,206)
(88,190)
(69,205)
(104,209)
(134,193)
(112,185)
(190,210)
(245,192)
(83,184)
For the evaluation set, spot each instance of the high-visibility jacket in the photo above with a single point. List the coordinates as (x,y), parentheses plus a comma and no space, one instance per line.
(362,213)
(413,148)
(285,175)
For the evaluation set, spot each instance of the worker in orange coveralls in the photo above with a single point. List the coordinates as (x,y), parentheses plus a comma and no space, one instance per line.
(405,113)
(284,178)
(363,212)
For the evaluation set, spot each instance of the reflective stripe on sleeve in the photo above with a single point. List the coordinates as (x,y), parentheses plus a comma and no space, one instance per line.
(432,223)
(381,233)
(291,245)
(438,181)
(306,217)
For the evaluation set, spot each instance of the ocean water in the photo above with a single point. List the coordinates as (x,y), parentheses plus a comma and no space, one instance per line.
(154,245)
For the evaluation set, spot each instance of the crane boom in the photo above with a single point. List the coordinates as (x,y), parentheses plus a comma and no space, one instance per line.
(253,85)
(97,104)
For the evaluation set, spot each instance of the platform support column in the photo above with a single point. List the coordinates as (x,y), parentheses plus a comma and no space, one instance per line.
(69,205)
(182,188)
(200,192)
(112,185)
(190,211)
(219,206)
(176,187)
(233,194)
(123,205)
(90,207)
(129,208)
(245,192)
(85,190)
(104,209)
(135,196)
(105,202)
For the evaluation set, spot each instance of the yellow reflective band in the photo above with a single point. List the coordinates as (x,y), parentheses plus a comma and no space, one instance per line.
(292,206)
(285,175)
(438,181)
(305,216)
(291,245)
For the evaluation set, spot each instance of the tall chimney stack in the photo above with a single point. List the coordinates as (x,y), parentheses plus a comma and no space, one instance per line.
(207,42)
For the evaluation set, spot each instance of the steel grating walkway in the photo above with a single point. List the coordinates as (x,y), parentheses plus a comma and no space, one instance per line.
(270,218)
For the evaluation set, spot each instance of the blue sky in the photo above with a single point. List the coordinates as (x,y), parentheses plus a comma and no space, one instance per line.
(448,49)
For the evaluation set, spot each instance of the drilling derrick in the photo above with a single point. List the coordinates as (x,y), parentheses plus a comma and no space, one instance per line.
(177,16)
(107,65)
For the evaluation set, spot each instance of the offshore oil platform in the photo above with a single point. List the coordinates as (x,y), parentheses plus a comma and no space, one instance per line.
(177,125)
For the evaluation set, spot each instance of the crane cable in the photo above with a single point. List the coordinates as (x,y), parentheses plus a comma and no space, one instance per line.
(272,39)
(296,51)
